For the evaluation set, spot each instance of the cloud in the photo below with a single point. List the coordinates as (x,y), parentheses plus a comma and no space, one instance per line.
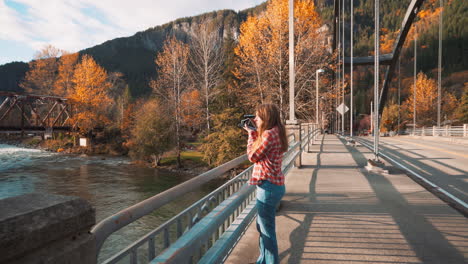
(73,25)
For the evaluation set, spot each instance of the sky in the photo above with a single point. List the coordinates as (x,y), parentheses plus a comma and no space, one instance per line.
(26,26)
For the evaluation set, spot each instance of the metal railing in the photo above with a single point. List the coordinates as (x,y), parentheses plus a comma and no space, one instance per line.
(312,135)
(444,131)
(232,197)
(115,222)
(173,229)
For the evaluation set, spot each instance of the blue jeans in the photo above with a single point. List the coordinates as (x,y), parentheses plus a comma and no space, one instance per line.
(268,196)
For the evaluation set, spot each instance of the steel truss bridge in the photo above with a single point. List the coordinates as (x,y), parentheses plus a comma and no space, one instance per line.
(27,113)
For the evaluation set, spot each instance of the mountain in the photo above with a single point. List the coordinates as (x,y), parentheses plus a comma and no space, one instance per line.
(11,75)
(134,56)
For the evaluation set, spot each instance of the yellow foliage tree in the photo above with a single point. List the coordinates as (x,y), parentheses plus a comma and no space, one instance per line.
(389,120)
(150,136)
(426,102)
(66,67)
(42,72)
(192,108)
(387,40)
(262,54)
(90,96)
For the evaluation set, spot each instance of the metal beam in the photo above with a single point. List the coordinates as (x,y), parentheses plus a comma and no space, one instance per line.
(50,112)
(384,59)
(33,96)
(408,20)
(4,103)
(64,108)
(12,105)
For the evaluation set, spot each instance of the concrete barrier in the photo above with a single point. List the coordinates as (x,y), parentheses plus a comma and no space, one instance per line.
(45,228)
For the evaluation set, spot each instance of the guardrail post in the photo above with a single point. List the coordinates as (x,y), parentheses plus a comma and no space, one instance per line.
(313,136)
(423,132)
(434,131)
(447,134)
(296,130)
(316,134)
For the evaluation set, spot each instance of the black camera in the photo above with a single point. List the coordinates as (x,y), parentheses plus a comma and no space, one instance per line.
(248,122)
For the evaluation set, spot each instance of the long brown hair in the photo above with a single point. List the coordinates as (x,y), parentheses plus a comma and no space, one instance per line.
(270,115)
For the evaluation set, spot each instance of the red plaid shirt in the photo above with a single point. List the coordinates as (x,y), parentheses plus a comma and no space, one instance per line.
(267,157)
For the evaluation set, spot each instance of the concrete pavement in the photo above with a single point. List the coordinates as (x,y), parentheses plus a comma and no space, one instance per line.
(445,165)
(336,212)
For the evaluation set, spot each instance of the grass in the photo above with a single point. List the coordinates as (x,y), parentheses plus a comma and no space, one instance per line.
(194,156)
(195,144)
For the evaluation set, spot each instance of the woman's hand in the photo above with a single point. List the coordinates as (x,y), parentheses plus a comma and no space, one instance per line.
(248,129)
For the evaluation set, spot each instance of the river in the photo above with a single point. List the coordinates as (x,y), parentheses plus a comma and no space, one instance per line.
(110,184)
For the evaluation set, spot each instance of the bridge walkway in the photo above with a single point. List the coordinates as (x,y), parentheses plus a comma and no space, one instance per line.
(334,211)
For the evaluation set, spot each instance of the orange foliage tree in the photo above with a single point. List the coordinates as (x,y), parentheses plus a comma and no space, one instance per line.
(172,81)
(42,72)
(63,85)
(90,96)
(387,40)
(262,55)
(426,102)
(192,108)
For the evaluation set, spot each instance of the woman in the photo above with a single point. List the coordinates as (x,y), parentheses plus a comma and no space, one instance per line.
(265,148)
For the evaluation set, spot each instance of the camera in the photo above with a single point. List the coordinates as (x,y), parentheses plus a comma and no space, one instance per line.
(248,121)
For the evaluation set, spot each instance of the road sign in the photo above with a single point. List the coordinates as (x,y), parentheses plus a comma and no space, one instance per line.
(342,109)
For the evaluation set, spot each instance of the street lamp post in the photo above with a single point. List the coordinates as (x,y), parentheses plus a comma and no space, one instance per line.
(351,73)
(399,94)
(343,79)
(292,117)
(415,76)
(439,75)
(376,79)
(316,94)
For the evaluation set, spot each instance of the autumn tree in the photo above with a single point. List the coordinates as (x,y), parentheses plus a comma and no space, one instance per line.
(90,96)
(192,109)
(389,120)
(172,82)
(462,110)
(151,135)
(250,62)
(226,142)
(262,53)
(426,102)
(42,72)
(387,40)
(63,85)
(206,61)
